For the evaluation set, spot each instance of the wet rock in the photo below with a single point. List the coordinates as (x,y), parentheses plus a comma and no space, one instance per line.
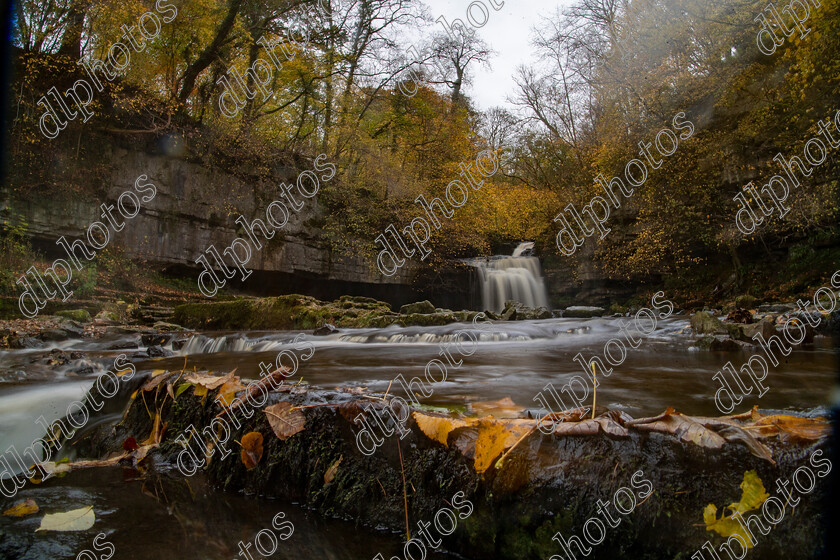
(515,311)
(22,342)
(80,315)
(745,302)
(177,345)
(776,308)
(704,323)
(57,357)
(721,343)
(126,345)
(746,333)
(423,307)
(54,335)
(163,326)
(106,318)
(740,316)
(73,327)
(327,329)
(158,352)
(156,339)
(583,312)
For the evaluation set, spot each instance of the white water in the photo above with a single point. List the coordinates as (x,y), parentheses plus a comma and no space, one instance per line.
(514,278)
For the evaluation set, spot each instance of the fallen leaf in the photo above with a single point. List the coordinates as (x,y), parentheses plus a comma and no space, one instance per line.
(796,428)
(227,392)
(284,421)
(208,381)
(80,519)
(330,474)
(439,427)
(494,437)
(21,509)
(130,444)
(181,388)
(158,427)
(252,449)
(681,426)
(753,495)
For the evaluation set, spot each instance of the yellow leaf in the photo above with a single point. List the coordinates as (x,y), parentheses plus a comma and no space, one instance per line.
(494,437)
(21,509)
(80,519)
(438,427)
(752,496)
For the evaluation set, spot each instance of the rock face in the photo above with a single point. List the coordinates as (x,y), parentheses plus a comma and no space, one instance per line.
(196,207)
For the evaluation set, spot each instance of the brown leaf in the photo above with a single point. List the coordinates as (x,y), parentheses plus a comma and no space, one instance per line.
(208,381)
(796,428)
(252,449)
(284,421)
(157,380)
(130,444)
(350,410)
(681,426)
(330,474)
(22,509)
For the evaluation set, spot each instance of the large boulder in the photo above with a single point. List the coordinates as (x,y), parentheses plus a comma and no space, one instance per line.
(424,307)
(704,323)
(515,311)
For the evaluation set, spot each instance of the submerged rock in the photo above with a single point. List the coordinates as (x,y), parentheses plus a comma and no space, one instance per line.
(583,312)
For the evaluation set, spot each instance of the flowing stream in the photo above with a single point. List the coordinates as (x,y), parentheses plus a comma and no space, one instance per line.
(514,359)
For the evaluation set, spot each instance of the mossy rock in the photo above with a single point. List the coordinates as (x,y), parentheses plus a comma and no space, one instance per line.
(704,323)
(424,307)
(80,315)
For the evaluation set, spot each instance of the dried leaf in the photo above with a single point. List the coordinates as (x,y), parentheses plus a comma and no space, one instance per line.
(130,444)
(208,381)
(252,449)
(349,410)
(796,428)
(200,391)
(156,380)
(330,474)
(681,426)
(158,427)
(284,421)
(80,519)
(21,509)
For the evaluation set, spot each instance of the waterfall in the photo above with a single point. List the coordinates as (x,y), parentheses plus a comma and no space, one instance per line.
(517,278)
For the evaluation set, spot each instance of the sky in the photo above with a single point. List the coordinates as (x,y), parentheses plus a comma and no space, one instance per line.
(508,32)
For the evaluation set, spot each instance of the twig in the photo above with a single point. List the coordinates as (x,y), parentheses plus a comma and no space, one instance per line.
(388,389)
(504,456)
(594,388)
(405,495)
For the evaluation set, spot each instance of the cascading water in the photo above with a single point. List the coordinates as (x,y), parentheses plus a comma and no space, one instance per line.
(517,277)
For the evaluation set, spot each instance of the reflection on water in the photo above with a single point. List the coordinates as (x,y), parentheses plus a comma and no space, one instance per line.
(172,518)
